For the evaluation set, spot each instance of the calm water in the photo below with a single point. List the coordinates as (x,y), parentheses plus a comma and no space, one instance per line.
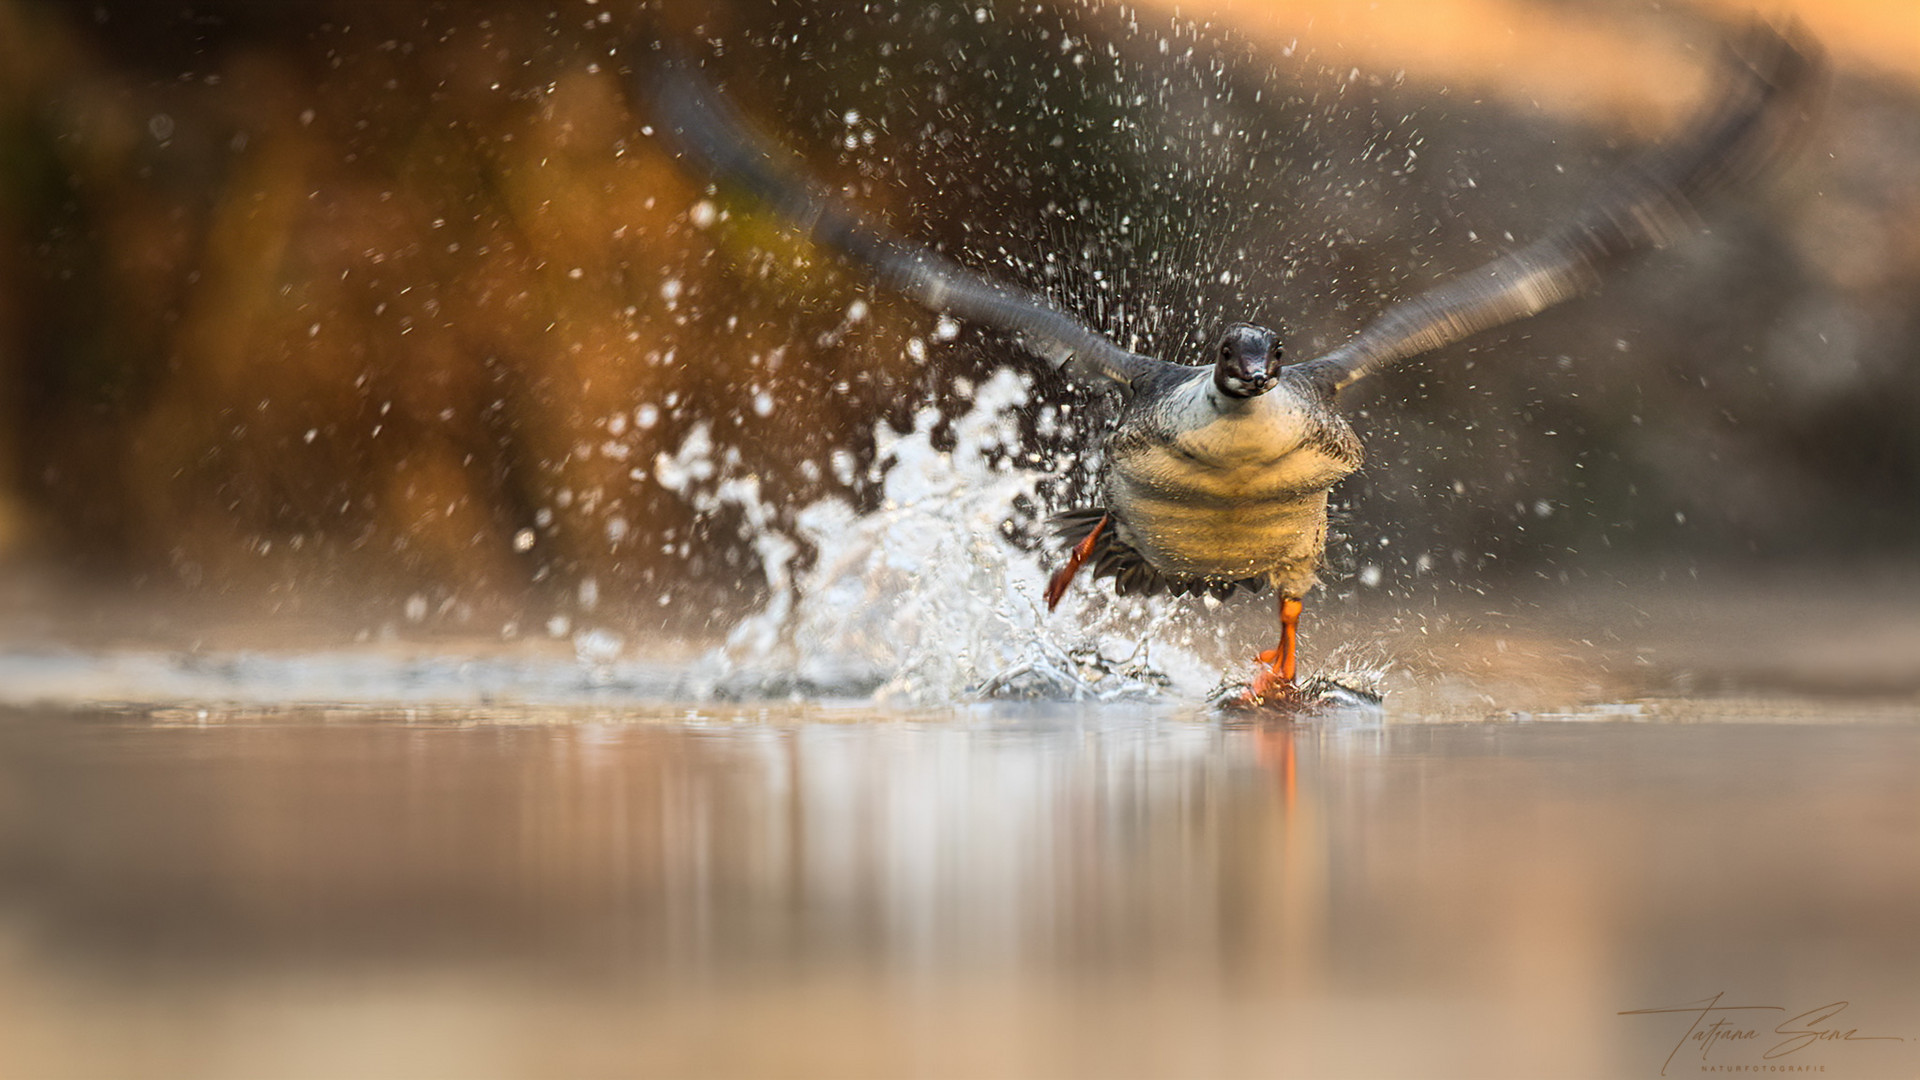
(1113,891)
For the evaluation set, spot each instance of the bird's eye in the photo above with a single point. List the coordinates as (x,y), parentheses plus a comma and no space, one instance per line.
(1226,352)
(1275,351)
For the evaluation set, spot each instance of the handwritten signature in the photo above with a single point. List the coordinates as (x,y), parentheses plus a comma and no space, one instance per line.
(1713,1024)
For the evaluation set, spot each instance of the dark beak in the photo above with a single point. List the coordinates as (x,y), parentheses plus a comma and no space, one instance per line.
(1246,374)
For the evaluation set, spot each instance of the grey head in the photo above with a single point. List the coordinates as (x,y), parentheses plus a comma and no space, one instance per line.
(1246,361)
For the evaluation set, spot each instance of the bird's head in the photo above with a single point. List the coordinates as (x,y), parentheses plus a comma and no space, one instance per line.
(1246,361)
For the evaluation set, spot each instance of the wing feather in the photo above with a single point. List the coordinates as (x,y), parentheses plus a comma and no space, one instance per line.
(707,131)
(1648,204)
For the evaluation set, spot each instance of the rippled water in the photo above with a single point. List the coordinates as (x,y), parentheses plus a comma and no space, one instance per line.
(996,890)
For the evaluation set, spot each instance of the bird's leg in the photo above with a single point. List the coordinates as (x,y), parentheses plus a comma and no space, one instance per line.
(1057,587)
(1276,682)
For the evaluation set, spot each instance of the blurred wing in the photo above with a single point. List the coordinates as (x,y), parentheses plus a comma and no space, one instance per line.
(707,131)
(1648,204)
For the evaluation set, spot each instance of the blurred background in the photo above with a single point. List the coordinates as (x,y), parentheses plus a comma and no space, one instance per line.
(368,314)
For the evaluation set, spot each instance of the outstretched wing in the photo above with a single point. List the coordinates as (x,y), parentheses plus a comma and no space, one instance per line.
(707,131)
(1648,204)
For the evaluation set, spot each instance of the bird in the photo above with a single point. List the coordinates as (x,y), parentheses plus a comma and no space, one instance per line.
(1217,472)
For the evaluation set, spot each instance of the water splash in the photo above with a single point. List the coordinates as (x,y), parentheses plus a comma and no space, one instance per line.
(924,599)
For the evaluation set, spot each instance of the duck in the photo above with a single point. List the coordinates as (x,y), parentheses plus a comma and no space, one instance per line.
(1217,472)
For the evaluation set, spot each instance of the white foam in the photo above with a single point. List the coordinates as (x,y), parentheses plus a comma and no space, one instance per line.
(923,599)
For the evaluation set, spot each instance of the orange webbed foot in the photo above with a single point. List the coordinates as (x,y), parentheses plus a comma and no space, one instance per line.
(1082,551)
(1274,687)
(1057,584)
(1270,689)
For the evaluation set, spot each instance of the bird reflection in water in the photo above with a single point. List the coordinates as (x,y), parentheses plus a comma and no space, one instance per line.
(1273,748)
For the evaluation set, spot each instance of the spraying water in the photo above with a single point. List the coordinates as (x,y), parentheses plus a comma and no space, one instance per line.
(924,599)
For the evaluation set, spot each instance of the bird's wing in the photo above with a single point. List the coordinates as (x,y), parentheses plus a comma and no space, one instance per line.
(709,133)
(1766,99)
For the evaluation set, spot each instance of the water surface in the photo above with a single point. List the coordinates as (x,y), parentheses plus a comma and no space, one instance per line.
(814,890)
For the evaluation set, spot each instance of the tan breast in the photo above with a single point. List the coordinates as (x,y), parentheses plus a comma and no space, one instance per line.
(1231,494)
